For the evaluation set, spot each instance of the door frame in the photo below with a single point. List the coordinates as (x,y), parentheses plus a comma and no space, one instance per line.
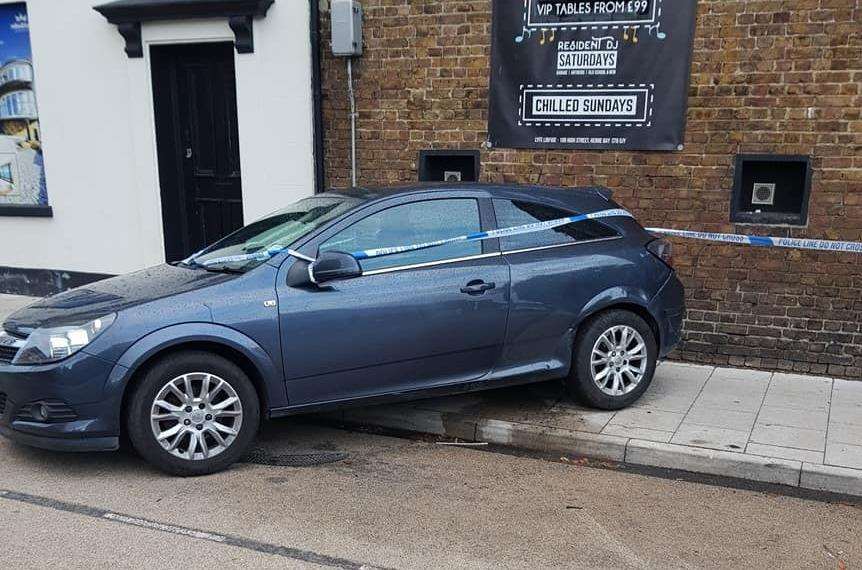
(171,171)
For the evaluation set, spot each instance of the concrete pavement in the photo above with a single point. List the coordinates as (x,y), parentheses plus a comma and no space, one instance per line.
(778,428)
(400,503)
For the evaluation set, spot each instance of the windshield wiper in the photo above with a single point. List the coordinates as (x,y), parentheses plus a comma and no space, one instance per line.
(222,269)
(211,268)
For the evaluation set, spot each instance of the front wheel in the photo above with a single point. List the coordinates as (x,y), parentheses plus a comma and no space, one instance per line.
(615,357)
(193,413)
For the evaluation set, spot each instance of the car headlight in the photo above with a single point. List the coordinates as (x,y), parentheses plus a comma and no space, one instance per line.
(56,343)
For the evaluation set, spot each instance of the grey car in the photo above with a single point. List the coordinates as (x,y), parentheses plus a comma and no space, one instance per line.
(291,315)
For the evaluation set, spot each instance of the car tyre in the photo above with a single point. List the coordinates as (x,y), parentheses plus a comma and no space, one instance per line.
(605,374)
(193,399)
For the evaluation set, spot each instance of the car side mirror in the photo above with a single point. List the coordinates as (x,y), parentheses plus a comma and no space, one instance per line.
(332,265)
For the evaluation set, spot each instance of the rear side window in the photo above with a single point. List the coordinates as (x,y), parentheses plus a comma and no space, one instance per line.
(511,213)
(409,224)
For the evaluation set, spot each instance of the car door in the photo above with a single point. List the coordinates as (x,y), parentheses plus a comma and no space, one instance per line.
(555,273)
(412,320)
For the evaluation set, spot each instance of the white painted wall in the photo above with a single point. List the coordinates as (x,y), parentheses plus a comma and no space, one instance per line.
(96,115)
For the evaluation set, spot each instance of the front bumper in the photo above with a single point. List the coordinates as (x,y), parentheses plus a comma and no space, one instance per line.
(110,443)
(78,382)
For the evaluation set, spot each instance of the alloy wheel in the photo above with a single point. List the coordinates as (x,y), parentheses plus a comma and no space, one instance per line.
(618,361)
(196,416)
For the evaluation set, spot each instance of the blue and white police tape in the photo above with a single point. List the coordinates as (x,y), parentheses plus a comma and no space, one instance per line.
(794,243)
(261,255)
(760,241)
(478,236)
(492,234)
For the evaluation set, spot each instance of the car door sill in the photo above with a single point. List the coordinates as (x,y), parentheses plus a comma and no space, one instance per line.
(484,383)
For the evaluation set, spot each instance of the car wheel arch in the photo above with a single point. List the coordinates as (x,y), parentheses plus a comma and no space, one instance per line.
(623,299)
(228,343)
(221,349)
(639,310)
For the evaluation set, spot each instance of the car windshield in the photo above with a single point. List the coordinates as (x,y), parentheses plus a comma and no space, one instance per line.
(256,243)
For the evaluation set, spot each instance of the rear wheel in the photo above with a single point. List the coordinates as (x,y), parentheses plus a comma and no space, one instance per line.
(193,413)
(615,357)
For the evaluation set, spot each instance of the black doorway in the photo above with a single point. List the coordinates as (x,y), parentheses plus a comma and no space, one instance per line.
(194,92)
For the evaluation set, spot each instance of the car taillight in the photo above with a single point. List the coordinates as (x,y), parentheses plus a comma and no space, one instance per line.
(662,249)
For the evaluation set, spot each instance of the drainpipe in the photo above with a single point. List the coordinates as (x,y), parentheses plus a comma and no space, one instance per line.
(352,95)
(317,98)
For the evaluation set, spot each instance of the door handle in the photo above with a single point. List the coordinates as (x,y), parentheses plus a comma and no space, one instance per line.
(477,287)
(188,152)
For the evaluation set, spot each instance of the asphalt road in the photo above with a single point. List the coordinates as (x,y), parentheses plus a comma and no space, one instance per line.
(399,503)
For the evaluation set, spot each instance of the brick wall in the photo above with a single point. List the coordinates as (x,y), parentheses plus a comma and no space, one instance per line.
(768,76)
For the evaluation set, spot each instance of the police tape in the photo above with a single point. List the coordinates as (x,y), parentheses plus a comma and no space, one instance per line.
(261,255)
(761,241)
(492,234)
(270,251)
(758,241)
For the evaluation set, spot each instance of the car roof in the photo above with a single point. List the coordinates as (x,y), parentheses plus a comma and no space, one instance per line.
(554,193)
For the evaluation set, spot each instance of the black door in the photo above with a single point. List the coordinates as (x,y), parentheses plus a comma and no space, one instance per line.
(194,91)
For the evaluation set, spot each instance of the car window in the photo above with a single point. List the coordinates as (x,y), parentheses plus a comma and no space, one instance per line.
(408,224)
(511,213)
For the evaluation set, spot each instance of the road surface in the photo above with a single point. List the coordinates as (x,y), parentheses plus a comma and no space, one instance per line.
(399,503)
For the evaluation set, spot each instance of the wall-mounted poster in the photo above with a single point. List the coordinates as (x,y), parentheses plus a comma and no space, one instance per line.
(22,173)
(590,74)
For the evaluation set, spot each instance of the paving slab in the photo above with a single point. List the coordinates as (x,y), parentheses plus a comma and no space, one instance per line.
(784,453)
(701,414)
(732,393)
(745,374)
(798,400)
(638,433)
(647,418)
(844,455)
(784,436)
(846,403)
(804,390)
(694,374)
(666,402)
(803,381)
(845,397)
(845,433)
(711,437)
(845,414)
(848,387)
(813,418)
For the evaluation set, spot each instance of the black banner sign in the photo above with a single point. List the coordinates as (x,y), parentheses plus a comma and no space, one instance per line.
(590,74)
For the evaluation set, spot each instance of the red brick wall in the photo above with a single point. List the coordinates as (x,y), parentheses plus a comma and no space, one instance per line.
(768,76)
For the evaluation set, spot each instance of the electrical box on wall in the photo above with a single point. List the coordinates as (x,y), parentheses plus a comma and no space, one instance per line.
(346,28)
